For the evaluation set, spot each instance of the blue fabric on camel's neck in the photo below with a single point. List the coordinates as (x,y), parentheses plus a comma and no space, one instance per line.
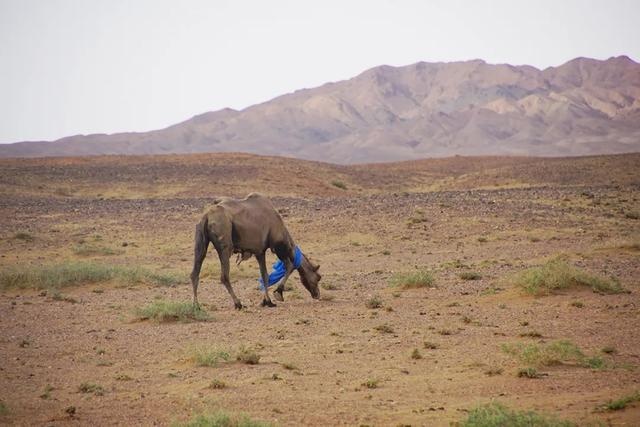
(279,269)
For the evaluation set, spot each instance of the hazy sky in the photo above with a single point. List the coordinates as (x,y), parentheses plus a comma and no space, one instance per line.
(70,67)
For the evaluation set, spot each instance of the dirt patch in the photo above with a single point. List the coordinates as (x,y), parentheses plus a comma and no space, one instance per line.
(318,360)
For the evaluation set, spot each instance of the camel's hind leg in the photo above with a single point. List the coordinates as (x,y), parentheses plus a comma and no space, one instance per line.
(195,276)
(200,252)
(220,233)
(225,255)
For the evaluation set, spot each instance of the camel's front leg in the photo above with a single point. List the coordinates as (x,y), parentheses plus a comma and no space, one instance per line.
(277,294)
(266,301)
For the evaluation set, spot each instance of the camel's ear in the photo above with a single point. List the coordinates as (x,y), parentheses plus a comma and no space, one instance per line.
(315,266)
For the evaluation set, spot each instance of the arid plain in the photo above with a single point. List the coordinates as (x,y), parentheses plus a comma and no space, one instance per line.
(370,351)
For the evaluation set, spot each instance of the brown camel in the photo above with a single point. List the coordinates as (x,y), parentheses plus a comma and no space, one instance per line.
(248,227)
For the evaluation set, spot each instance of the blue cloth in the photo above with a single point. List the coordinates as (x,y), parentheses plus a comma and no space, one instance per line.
(279,269)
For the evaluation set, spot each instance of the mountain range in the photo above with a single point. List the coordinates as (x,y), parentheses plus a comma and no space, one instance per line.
(583,107)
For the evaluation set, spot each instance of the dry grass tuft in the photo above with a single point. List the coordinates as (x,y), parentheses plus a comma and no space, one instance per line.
(413,280)
(557,275)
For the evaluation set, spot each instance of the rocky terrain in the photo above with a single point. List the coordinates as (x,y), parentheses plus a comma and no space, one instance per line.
(369,352)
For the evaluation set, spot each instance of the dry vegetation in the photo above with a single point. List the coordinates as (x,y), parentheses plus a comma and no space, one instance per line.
(476,291)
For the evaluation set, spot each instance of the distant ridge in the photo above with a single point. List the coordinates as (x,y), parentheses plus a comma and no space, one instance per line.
(583,107)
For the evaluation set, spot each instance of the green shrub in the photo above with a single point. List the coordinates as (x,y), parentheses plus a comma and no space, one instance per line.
(470,275)
(222,419)
(89,249)
(339,184)
(416,279)
(384,328)
(172,311)
(75,273)
(209,356)
(373,302)
(248,356)
(23,236)
(528,373)
(619,404)
(498,415)
(554,353)
(370,383)
(163,279)
(558,275)
(217,384)
(609,349)
(96,389)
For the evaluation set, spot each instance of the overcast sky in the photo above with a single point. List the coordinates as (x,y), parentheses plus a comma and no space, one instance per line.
(71,67)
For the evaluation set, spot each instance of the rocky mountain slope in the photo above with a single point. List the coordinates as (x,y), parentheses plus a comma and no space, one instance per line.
(585,106)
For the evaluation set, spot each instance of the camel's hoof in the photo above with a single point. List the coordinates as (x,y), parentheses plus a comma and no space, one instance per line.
(267,303)
(278,295)
(238,305)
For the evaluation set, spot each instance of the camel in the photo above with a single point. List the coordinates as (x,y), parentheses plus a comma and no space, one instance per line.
(248,227)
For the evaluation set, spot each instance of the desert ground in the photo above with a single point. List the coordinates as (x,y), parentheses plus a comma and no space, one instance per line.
(371,351)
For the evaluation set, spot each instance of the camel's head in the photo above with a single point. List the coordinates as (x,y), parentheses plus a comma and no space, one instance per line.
(310,277)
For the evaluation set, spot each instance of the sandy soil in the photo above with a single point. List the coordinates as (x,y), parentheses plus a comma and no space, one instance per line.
(490,216)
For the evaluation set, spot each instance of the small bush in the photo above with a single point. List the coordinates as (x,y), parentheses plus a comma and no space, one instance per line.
(96,389)
(594,362)
(415,354)
(528,373)
(496,414)
(531,334)
(557,275)
(632,215)
(430,345)
(609,350)
(482,239)
(470,275)
(339,184)
(554,353)
(46,394)
(57,296)
(384,328)
(370,383)
(329,286)
(4,409)
(374,302)
(73,273)
(619,404)
(416,279)
(123,377)
(210,357)
(23,236)
(222,419)
(217,384)
(577,304)
(493,371)
(89,249)
(163,279)
(172,311)
(248,356)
